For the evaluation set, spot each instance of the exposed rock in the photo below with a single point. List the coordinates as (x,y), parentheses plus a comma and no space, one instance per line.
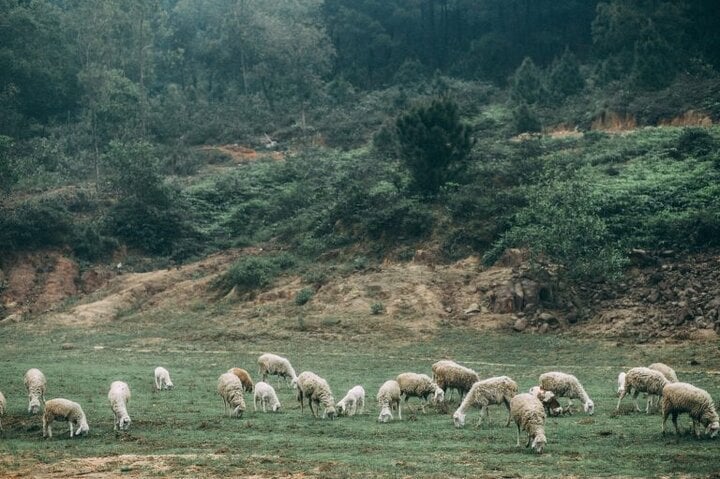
(520,325)
(473,309)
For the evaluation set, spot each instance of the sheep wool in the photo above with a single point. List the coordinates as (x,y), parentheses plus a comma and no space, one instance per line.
(420,386)
(35,384)
(640,380)
(529,415)
(568,386)
(230,389)
(497,390)
(265,393)
(666,371)
(678,398)
(274,365)
(316,390)
(552,405)
(64,410)
(119,396)
(3,405)
(354,399)
(388,398)
(162,379)
(244,378)
(451,375)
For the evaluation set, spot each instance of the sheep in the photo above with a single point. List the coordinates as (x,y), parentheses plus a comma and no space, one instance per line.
(2,408)
(497,390)
(640,380)
(265,393)
(552,405)
(349,404)
(567,385)
(119,396)
(162,379)
(678,398)
(272,364)
(244,378)
(449,374)
(529,415)
(387,397)
(419,386)
(64,410)
(315,389)
(35,384)
(666,370)
(230,389)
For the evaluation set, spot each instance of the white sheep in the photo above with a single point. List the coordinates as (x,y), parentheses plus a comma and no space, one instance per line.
(265,393)
(349,404)
(497,390)
(420,386)
(119,396)
(274,365)
(640,380)
(678,398)
(316,390)
(2,408)
(35,384)
(552,405)
(451,375)
(244,378)
(529,415)
(162,379)
(64,410)
(666,370)
(568,386)
(230,389)
(388,396)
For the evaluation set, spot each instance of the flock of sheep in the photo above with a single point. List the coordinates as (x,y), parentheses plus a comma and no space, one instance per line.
(528,410)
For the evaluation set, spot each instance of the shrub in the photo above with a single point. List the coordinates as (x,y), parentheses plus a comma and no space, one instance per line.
(377,308)
(250,273)
(34,224)
(303,296)
(696,142)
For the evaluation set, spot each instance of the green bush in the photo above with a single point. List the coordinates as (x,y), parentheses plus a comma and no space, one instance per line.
(696,142)
(250,273)
(303,296)
(34,224)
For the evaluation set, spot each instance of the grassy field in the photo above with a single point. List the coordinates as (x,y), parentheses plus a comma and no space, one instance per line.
(186,434)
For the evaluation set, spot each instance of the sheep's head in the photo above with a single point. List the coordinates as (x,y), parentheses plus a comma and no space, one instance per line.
(83,427)
(621,384)
(459,419)
(340,407)
(439,395)
(538,443)
(589,407)
(34,406)
(125,423)
(169,385)
(712,429)
(330,412)
(238,411)
(385,414)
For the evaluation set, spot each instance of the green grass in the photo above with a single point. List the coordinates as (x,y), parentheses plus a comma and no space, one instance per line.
(188,422)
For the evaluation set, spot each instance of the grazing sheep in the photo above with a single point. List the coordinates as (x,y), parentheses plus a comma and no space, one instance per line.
(274,365)
(35,385)
(230,389)
(568,386)
(552,405)
(265,393)
(387,397)
(349,404)
(529,415)
(119,396)
(419,386)
(2,408)
(678,398)
(450,375)
(498,390)
(316,390)
(162,379)
(244,378)
(64,410)
(666,371)
(641,380)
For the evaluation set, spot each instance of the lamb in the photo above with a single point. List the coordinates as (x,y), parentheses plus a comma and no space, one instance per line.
(64,410)
(678,398)
(420,386)
(230,389)
(162,379)
(265,393)
(666,370)
(35,384)
(316,390)
(119,396)
(529,415)
(641,380)
(552,405)
(566,385)
(387,397)
(272,364)
(349,404)
(497,390)
(450,375)
(2,408)
(244,378)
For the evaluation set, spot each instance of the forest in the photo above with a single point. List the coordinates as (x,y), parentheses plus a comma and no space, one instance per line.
(399,123)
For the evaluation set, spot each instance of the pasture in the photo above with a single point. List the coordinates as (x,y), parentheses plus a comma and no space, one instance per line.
(183,432)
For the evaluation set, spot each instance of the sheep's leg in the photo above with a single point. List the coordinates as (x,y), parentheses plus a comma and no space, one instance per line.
(47,428)
(480,418)
(622,395)
(72,432)
(507,405)
(399,408)
(517,444)
(635,396)
(529,441)
(264,403)
(648,403)
(665,416)
(311,408)
(674,420)
(362,405)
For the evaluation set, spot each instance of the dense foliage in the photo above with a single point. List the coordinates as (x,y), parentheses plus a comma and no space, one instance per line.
(376,107)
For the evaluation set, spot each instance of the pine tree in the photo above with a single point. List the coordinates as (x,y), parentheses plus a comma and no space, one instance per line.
(565,78)
(527,83)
